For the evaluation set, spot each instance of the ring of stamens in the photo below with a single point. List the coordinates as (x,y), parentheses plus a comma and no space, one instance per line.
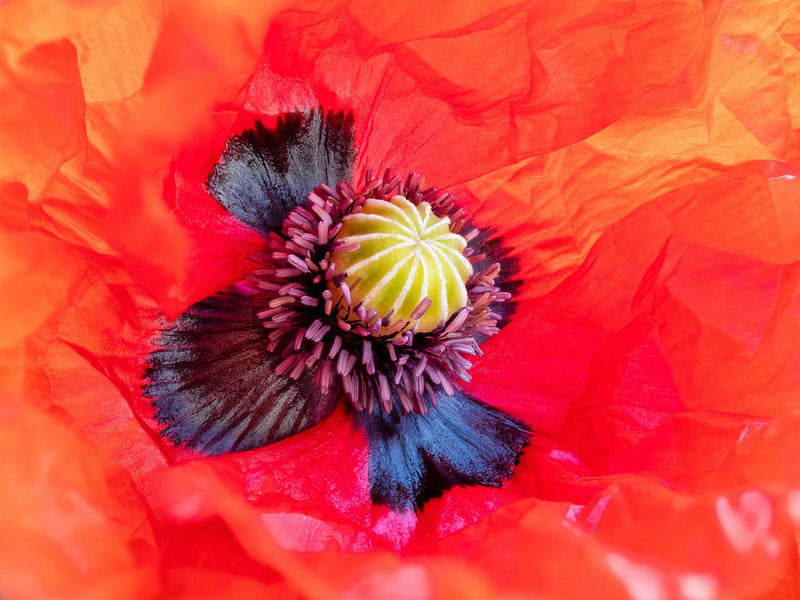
(373,356)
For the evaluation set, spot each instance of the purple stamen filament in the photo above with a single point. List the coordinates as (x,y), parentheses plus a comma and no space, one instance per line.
(373,356)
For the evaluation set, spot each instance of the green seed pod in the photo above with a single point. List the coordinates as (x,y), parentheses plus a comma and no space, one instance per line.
(406,258)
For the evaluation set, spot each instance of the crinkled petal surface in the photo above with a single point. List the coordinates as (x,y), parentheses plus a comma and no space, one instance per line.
(637,161)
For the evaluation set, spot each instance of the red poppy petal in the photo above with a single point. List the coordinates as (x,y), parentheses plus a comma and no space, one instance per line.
(546,97)
(64,533)
(647,153)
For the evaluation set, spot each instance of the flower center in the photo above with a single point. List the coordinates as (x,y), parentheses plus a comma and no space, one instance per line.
(402,261)
(423,293)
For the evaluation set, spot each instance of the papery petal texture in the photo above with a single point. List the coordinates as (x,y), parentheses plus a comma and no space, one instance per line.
(635,161)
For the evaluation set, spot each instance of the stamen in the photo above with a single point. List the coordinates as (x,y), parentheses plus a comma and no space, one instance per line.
(351,361)
(420,368)
(457,321)
(321,333)
(299,367)
(335,346)
(298,339)
(384,393)
(400,344)
(345,289)
(285,365)
(287,273)
(314,328)
(325,375)
(277,302)
(366,357)
(322,233)
(346,247)
(266,314)
(424,305)
(299,244)
(323,214)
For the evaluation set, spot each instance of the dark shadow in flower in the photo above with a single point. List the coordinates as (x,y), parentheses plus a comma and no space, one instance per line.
(264,173)
(414,458)
(213,385)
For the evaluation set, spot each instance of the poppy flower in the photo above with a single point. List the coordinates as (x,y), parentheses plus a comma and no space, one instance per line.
(636,162)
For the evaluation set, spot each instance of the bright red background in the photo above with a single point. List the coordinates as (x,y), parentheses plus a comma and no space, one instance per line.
(639,158)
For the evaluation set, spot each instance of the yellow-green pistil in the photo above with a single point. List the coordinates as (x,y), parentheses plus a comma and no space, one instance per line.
(407,257)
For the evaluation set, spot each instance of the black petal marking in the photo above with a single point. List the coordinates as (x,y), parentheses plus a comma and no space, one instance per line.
(213,386)
(264,173)
(462,441)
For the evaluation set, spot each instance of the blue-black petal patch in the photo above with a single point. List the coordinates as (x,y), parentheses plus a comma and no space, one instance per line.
(264,173)
(413,458)
(212,383)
